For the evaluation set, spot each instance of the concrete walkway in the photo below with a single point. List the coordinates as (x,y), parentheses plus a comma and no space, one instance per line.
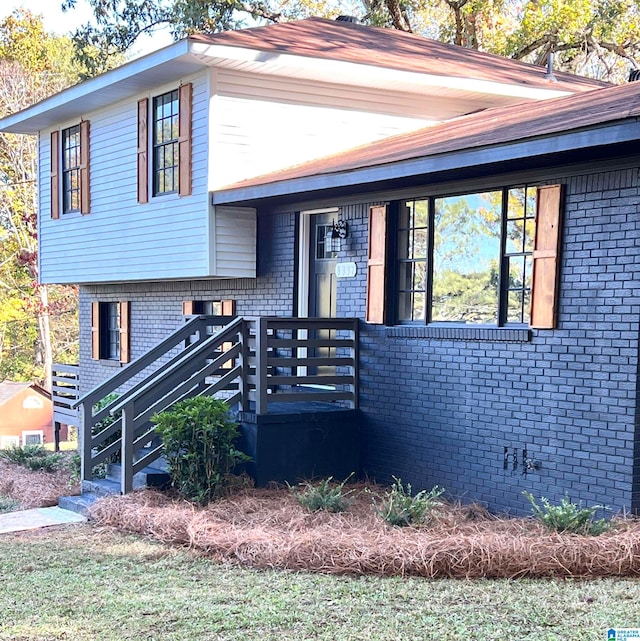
(37,518)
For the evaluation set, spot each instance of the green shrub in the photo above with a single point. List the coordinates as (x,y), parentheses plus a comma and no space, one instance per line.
(568,516)
(324,495)
(33,457)
(398,507)
(7,504)
(200,446)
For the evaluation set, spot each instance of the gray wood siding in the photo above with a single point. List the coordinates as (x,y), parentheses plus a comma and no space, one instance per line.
(120,239)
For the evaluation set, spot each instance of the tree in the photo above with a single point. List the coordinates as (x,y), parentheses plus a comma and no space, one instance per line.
(598,38)
(33,65)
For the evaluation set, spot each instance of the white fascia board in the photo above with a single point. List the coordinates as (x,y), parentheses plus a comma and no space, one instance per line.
(620,132)
(370,75)
(145,73)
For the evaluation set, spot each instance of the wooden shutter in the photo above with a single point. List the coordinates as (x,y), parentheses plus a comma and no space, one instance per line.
(546,257)
(95,330)
(85,186)
(228,307)
(184,140)
(376,265)
(55,175)
(188,307)
(125,352)
(143,143)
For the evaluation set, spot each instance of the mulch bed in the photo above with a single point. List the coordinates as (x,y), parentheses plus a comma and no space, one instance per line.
(34,489)
(267,528)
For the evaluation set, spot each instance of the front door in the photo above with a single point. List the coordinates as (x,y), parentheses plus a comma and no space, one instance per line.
(322,286)
(322,269)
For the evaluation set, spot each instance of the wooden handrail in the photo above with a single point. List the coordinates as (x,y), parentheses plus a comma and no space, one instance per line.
(197,323)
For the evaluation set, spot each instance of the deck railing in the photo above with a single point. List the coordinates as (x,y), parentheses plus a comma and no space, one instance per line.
(250,362)
(65,391)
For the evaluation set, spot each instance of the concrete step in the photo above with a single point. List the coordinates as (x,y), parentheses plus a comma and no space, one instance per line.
(147,477)
(101,487)
(78,504)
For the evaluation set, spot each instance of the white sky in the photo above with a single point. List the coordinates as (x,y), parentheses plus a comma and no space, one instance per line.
(62,23)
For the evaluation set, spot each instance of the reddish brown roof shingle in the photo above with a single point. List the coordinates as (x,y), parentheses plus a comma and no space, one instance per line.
(390,48)
(485,128)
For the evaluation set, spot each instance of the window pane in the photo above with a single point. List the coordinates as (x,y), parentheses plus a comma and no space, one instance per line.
(419,245)
(514,307)
(466,258)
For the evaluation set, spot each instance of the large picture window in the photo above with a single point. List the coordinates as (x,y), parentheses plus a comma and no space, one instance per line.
(466,258)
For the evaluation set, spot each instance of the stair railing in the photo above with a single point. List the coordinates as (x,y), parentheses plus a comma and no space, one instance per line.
(160,359)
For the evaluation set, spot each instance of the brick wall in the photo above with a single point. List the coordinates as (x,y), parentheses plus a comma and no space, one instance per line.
(441,407)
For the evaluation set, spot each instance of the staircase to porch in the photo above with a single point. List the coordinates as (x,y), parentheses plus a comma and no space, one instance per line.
(280,376)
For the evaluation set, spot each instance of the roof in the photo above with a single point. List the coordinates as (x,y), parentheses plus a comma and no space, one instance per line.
(315,48)
(9,389)
(391,48)
(479,131)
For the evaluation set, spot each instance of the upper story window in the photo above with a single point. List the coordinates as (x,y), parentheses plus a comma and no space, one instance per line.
(478,258)
(165,143)
(71,169)
(168,145)
(70,184)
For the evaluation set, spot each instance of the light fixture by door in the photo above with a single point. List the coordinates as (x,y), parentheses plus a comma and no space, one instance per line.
(335,235)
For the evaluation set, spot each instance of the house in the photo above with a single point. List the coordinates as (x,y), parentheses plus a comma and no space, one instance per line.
(462,269)
(26,415)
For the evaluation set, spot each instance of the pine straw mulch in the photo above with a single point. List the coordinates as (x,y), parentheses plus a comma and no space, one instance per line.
(266,528)
(34,489)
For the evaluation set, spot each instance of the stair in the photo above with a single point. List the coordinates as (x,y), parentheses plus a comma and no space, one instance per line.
(99,488)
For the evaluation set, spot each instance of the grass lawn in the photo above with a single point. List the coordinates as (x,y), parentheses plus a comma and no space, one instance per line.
(77,583)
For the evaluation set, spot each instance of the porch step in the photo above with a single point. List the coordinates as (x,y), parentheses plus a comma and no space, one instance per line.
(101,487)
(147,477)
(78,504)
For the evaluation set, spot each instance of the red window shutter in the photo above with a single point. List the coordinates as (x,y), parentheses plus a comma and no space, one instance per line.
(85,186)
(376,265)
(228,307)
(125,351)
(184,140)
(143,143)
(187,307)
(95,330)
(546,257)
(55,175)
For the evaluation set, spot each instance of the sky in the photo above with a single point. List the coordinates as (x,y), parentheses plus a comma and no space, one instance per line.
(63,23)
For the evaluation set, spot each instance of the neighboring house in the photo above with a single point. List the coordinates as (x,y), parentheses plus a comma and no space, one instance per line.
(26,415)
(483,190)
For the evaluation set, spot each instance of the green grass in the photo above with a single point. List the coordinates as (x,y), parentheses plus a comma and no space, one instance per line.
(77,584)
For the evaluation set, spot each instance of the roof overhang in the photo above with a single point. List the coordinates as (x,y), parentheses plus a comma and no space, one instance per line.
(608,138)
(188,56)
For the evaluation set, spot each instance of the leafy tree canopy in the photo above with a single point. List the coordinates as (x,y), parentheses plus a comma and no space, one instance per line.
(599,38)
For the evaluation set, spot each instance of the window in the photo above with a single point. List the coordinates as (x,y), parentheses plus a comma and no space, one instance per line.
(209,307)
(169,144)
(165,143)
(110,331)
(34,437)
(71,169)
(9,441)
(70,188)
(476,258)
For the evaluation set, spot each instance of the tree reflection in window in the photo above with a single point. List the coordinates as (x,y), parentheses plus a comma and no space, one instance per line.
(466,258)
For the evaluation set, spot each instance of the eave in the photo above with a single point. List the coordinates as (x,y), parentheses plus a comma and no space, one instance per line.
(612,139)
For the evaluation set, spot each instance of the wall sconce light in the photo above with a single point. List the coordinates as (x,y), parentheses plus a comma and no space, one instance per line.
(335,235)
